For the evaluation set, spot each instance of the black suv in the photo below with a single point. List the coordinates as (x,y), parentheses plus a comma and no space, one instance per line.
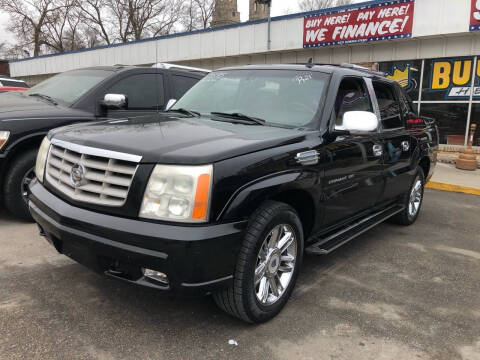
(225,192)
(77,96)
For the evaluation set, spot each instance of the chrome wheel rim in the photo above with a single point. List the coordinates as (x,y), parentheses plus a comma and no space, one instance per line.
(26,180)
(415,198)
(275,264)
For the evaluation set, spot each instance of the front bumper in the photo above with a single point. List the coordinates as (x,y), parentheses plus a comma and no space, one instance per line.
(196,259)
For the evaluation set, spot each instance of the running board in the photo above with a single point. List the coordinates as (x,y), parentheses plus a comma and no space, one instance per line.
(326,245)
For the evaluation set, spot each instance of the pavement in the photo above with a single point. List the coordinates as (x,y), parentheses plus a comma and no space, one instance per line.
(447,177)
(395,292)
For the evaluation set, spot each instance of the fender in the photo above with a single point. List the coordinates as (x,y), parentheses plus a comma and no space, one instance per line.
(247,198)
(13,145)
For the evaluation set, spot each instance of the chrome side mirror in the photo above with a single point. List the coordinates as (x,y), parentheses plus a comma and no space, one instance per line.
(115,101)
(358,121)
(170,103)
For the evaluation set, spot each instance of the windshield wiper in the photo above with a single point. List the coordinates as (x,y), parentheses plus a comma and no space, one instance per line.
(46,97)
(186,111)
(240,116)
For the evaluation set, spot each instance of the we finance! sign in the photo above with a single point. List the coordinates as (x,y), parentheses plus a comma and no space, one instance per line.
(388,20)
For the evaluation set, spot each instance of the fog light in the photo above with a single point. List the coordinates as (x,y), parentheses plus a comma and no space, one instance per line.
(155,275)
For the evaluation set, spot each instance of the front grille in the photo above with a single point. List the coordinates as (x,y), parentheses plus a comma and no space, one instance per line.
(105,181)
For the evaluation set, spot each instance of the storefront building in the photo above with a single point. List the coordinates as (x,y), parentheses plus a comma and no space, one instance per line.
(446,89)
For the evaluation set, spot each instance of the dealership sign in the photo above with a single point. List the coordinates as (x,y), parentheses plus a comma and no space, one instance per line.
(388,20)
(475,16)
(454,77)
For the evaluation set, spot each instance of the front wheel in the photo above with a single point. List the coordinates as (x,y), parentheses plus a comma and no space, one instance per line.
(15,188)
(412,201)
(268,265)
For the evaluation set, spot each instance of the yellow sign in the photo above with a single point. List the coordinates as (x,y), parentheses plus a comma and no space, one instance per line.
(453,76)
(402,77)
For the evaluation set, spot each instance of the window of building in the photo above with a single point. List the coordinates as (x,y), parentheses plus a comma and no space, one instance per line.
(451,120)
(406,73)
(476,120)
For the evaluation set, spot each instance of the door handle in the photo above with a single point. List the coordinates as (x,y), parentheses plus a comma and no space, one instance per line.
(405,145)
(377,150)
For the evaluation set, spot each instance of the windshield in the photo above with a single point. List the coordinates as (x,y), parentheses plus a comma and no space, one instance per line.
(280,97)
(68,87)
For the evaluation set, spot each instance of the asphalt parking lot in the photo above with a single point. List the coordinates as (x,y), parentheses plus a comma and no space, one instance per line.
(393,293)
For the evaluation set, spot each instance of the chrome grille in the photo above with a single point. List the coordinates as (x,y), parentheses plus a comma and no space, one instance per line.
(105,180)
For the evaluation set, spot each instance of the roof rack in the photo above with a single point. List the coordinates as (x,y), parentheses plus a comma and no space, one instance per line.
(179,67)
(364,69)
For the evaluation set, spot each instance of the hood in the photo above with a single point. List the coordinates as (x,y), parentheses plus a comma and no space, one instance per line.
(18,106)
(174,140)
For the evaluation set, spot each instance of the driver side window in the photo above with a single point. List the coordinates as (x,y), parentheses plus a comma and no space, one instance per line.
(352,96)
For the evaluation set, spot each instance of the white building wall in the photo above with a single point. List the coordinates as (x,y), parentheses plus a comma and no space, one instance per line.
(440,29)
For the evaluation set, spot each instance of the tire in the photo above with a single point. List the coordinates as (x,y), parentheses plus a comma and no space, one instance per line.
(240,299)
(407,216)
(13,190)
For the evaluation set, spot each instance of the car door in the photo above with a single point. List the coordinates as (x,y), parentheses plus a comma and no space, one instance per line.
(144,91)
(353,179)
(396,139)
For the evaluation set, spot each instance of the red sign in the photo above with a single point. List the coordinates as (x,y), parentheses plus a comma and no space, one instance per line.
(475,16)
(389,20)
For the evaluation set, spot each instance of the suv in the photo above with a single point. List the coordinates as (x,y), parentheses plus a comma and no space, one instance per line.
(77,96)
(224,193)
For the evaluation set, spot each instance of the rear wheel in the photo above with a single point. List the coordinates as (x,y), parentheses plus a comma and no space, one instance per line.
(412,201)
(15,188)
(268,265)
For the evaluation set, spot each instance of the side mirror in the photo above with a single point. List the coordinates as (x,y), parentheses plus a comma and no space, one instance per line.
(358,121)
(170,103)
(115,101)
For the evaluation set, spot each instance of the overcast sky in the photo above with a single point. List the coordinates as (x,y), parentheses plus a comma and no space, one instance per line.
(279,7)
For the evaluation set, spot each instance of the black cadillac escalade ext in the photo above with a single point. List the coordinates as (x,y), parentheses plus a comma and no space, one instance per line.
(225,192)
(72,97)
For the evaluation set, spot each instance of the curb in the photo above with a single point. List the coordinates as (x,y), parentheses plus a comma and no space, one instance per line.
(452,188)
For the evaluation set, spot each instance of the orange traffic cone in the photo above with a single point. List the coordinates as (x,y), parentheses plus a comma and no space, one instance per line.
(467,159)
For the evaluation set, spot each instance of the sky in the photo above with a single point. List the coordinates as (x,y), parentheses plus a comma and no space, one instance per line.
(279,7)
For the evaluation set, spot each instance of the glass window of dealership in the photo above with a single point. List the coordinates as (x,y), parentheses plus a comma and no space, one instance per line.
(447,89)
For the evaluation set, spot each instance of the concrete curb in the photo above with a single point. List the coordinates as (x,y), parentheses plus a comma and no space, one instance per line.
(453,188)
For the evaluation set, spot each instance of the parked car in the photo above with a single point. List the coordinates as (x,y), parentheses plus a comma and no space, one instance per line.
(77,96)
(224,192)
(7,84)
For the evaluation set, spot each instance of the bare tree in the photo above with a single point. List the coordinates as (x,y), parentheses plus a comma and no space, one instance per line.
(63,30)
(96,16)
(197,14)
(310,5)
(29,19)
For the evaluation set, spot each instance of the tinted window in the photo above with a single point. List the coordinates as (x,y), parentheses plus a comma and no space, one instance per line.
(71,85)
(352,96)
(388,105)
(182,84)
(13,83)
(406,105)
(141,91)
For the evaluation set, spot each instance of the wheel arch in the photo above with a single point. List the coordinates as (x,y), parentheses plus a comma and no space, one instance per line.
(294,189)
(19,147)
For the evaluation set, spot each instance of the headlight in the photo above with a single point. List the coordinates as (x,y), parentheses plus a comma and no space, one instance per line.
(4,135)
(42,158)
(178,193)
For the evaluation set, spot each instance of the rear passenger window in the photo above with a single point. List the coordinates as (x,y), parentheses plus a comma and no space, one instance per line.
(182,84)
(388,105)
(352,96)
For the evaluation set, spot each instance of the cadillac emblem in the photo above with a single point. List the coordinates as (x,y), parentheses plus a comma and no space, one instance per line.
(77,175)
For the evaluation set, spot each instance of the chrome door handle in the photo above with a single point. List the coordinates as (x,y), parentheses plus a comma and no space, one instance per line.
(405,145)
(377,150)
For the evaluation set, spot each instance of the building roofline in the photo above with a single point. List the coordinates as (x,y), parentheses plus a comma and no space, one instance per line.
(219,28)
